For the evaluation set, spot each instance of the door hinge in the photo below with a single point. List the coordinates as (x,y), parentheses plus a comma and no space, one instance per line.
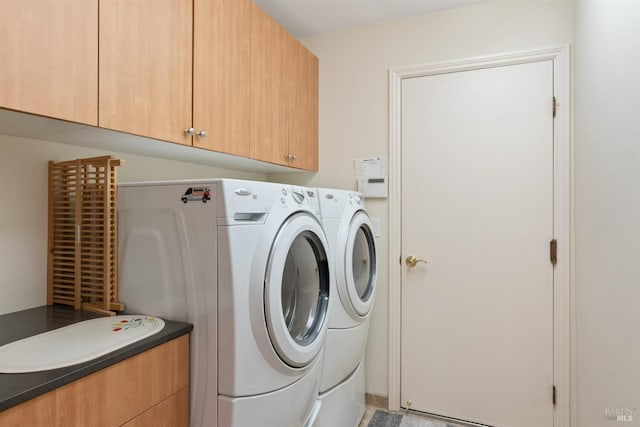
(553,251)
(555,400)
(555,106)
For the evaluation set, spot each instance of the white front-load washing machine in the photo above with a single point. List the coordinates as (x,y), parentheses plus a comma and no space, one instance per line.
(247,263)
(353,253)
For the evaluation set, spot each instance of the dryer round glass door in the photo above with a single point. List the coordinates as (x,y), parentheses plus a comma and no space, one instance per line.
(297,290)
(359,266)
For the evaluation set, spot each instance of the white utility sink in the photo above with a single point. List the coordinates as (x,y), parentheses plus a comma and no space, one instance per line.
(76,343)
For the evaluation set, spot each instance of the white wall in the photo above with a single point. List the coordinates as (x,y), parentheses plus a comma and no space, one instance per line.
(607,208)
(354,69)
(23,208)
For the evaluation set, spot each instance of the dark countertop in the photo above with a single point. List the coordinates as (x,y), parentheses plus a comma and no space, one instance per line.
(18,388)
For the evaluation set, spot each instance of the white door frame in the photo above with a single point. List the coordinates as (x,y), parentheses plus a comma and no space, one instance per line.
(562,219)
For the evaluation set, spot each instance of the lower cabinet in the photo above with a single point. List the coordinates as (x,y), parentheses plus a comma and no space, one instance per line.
(149,389)
(171,412)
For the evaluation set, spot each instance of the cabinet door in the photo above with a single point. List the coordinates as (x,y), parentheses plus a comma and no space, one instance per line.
(49,52)
(146,67)
(171,412)
(221,61)
(269,99)
(303,107)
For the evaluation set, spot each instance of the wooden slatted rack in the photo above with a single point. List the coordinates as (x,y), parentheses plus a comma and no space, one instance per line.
(83,246)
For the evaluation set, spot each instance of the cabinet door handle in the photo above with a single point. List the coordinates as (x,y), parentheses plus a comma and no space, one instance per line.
(291,157)
(192,132)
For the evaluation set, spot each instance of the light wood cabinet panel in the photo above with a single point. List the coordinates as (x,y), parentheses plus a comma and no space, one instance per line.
(303,107)
(284,96)
(221,74)
(171,412)
(49,52)
(146,67)
(111,396)
(269,45)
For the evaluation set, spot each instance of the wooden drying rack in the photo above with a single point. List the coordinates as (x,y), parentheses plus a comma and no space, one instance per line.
(83,246)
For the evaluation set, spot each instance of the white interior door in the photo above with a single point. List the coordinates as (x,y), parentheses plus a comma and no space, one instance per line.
(477,204)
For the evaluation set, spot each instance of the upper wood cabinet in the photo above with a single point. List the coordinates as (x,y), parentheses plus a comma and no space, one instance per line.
(49,52)
(269,44)
(160,75)
(303,107)
(146,67)
(222,75)
(284,96)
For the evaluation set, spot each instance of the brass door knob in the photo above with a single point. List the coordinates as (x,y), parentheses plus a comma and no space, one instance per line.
(411,261)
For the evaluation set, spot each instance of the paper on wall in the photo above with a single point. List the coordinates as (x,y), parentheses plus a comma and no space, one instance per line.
(371,167)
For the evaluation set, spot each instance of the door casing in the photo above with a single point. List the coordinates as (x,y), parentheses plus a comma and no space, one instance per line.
(564,377)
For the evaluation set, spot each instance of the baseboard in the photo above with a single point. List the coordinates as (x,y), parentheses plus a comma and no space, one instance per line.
(377,401)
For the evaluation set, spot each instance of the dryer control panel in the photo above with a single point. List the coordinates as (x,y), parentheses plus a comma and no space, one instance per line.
(312,198)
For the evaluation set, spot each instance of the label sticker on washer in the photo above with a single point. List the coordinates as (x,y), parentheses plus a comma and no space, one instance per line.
(200,194)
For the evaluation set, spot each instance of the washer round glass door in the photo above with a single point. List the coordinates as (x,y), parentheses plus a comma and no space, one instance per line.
(359,264)
(297,290)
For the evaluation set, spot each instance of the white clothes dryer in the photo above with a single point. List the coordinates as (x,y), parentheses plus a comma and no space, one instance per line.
(247,263)
(353,253)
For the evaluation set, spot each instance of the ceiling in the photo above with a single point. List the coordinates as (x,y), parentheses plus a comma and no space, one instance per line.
(309,17)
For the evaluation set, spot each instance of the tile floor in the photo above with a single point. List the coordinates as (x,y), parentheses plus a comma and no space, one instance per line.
(411,420)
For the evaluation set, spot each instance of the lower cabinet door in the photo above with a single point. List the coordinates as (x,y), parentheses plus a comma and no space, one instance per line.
(172,412)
